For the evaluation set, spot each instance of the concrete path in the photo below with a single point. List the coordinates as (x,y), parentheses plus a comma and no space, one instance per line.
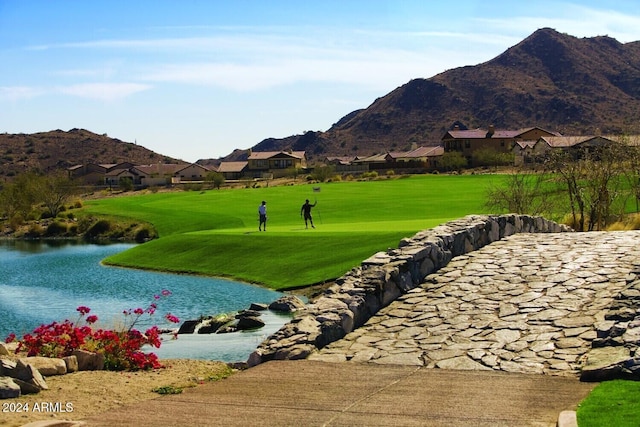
(309,393)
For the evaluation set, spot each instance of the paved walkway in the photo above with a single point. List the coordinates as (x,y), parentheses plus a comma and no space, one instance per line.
(308,393)
(528,304)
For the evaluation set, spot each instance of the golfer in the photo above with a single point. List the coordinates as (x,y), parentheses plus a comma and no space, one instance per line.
(262,211)
(306,211)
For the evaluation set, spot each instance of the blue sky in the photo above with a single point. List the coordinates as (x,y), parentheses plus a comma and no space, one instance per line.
(197,79)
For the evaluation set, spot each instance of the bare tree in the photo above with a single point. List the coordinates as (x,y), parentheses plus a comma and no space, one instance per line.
(523,193)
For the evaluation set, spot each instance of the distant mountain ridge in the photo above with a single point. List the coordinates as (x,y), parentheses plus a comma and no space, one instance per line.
(550,80)
(58,149)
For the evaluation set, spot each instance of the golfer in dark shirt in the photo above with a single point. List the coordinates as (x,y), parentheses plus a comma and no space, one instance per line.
(306,211)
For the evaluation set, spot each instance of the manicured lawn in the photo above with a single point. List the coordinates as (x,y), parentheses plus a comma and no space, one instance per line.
(215,232)
(611,403)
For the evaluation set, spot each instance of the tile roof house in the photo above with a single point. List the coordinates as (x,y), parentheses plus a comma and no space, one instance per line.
(469,141)
(532,151)
(232,170)
(274,163)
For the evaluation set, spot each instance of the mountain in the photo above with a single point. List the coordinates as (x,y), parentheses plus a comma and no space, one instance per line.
(57,149)
(550,80)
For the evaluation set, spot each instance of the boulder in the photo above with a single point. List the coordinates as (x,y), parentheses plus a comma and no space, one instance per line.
(47,366)
(6,366)
(249,322)
(188,326)
(71,363)
(4,350)
(29,374)
(8,388)
(604,363)
(27,387)
(88,361)
(287,304)
(258,306)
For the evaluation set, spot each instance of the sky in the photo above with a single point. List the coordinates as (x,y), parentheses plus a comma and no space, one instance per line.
(197,79)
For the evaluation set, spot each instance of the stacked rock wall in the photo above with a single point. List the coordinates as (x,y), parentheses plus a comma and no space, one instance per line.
(383,277)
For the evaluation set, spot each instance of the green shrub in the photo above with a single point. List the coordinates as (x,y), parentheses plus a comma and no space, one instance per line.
(100,228)
(56,228)
(143,234)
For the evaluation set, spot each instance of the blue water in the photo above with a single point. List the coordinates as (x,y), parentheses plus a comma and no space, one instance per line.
(46,282)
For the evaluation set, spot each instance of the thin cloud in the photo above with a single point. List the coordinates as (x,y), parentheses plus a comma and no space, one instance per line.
(16,93)
(103,91)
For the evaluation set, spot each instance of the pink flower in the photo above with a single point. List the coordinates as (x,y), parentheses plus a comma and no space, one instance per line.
(166,292)
(10,338)
(83,310)
(138,311)
(171,318)
(92,319)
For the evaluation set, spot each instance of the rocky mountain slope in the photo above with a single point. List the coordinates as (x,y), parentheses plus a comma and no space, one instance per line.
(57,149)
(551,80)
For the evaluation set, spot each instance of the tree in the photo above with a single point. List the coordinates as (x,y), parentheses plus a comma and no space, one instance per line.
(592,178)
(19,197)
(216,178)
(54,191)
(323,173)
(522,193)
(452,161)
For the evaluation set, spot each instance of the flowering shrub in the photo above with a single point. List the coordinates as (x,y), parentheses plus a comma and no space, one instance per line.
(122,348)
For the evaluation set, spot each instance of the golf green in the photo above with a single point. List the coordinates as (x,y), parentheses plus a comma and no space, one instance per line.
(215,232)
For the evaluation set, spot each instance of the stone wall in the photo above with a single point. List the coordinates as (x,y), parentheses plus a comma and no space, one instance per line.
(383,277)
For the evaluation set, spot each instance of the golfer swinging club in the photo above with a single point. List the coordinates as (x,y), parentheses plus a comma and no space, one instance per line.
(306,210)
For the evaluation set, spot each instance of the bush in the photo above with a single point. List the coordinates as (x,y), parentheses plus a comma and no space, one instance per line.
(100,228)
(56,228)
(122,348)
(143,234)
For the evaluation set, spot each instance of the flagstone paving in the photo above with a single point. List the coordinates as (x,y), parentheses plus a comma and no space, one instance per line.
(529,303)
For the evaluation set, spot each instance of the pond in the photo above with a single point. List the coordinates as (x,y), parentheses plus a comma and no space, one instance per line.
(42,282)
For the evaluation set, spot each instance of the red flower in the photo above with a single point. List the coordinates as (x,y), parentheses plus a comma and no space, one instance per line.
(83,310)
(92,319)
(171,318)
(10,338)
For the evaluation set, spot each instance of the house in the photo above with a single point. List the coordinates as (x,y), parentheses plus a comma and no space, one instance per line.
(274,163)
(419,158)
(232,170)
(191,173)
(526,152)
(467,142)
(156,174)
(347,164)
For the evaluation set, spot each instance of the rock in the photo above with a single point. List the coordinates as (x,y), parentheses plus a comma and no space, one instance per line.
(88,361)
(188,326)
(6,366)
(249,322)
(462,363)
(8,388)
(287,303)
(4,350)
(29,374)
(604,363)
(27,387)
(47,366)
(256,306)
(71,363)
(212,325)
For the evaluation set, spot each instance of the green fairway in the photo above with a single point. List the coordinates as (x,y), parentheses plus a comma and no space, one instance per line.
(215,232)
